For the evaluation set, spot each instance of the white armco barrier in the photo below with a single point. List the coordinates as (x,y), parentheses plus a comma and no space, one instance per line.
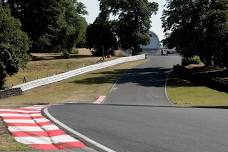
(73,73)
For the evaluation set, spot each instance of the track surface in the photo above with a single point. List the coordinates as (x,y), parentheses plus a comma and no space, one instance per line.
(144,85)
(137,117)
(149,129)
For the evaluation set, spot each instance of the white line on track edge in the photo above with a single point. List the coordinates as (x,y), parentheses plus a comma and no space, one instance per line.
(166,82)
(85,138)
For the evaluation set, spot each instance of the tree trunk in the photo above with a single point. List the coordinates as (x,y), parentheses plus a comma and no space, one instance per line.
(208,60)
(2,82)
(136,50)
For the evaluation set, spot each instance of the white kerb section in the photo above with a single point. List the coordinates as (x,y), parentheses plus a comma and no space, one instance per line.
(73,73)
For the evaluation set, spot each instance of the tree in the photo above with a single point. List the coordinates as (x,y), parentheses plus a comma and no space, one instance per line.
(81,40)
(100,36)
(133,20)
(51,24)
(39,19)
(72,24)
(14,45)
(198,27)
(216,35)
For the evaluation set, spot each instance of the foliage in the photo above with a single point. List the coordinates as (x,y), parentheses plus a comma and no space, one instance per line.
(191,60)
(66,54)
(51,24)
(71,23)
(133,20)
(14,44)
(198,27)
(100,37)
(81,40)
(39,20)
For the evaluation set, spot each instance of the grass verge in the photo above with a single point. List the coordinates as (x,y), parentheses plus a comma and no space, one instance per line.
(185,93)
(82,88)
(40,69)
(7,143)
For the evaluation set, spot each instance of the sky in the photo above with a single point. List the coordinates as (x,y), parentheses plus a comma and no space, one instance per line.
(93,11)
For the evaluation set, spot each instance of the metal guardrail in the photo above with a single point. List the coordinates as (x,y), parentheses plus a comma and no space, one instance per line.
(63,76)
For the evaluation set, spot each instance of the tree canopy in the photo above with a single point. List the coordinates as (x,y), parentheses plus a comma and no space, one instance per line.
(100,37)
(14,45)
(198,27)
(42,25)
(131,21)
(72,24)
(50,24)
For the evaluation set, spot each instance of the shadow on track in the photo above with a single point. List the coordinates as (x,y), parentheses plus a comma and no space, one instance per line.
(146,77)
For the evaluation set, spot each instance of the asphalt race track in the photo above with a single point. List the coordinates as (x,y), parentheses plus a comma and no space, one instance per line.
(148,129)
(144,85)
(137,117)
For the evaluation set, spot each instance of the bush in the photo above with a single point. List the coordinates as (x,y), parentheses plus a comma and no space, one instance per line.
(98,51)
(14,45)
(66,54)
(191,60)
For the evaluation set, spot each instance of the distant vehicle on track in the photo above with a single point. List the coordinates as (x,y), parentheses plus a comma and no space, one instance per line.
(165,51)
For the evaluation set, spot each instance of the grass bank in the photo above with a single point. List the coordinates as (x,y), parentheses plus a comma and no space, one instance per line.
(82,88)
(49,64)
(7,143)
(186,93)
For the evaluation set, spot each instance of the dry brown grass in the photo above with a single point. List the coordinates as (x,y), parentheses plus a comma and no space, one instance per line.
(49,64)
(82,88)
